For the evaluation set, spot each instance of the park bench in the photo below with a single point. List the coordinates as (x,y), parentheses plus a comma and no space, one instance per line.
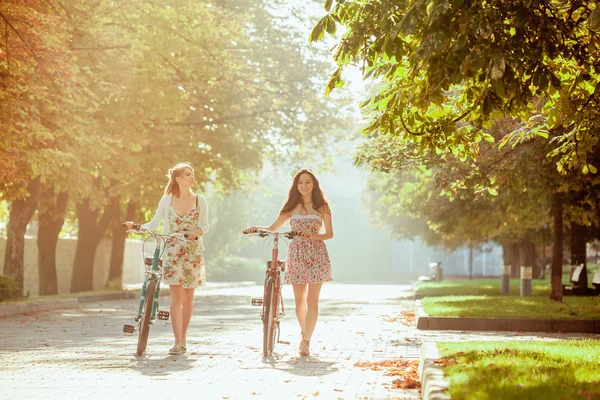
(579,282)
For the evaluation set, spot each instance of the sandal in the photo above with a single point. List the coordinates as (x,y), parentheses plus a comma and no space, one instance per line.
(176,350)
(183,347)
(304,348)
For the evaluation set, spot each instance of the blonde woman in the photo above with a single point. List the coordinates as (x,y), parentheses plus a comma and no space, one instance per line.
(182,211)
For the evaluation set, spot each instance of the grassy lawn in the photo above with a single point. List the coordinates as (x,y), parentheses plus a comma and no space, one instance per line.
(523,370)
(478,287)
(61,296)
(512,307)
(492,287)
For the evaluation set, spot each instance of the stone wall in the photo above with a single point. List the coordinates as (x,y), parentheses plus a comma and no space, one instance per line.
(132,264)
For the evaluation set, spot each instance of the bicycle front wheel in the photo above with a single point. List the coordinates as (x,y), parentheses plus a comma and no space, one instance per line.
(269,319)
(144,330)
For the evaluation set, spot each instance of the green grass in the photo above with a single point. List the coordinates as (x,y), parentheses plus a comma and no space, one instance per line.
(523,370)
(61,296)
(478,287)
(512,307)
(492,287)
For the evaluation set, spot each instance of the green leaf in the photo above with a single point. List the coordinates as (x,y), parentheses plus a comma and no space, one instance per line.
(555,81)
(330,26)
(318,31)
(593,169)
(498,86)
(487,137)
(492,191)
(328,4)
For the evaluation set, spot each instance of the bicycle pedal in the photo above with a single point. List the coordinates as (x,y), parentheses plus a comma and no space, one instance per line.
(283,342)
(137,319)
(128,328)
(164,315)
(257,301)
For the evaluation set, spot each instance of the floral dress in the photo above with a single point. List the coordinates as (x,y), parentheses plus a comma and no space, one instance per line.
(184,262)
(307,260)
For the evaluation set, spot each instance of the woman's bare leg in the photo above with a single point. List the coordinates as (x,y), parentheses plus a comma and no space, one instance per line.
(314,291)
(300,297)
(187,311)
(176,311)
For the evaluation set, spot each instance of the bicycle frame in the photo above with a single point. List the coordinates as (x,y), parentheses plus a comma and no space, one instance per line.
(156,274)
(275,273)
(147,311)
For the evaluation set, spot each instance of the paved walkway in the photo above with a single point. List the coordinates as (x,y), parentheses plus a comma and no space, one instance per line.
(84,354)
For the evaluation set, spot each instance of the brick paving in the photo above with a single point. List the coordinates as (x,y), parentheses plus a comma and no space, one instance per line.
(82,353)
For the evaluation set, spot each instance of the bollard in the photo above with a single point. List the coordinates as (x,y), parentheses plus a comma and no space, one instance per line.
(506,279)
(526,273)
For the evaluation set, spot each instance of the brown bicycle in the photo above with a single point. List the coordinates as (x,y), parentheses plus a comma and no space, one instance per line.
(272,301)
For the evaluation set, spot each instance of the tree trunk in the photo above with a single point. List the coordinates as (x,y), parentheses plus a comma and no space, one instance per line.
(578,250)
(557,250)
(51,219)
(21,212)
(117,250)
(506,254)
(515,262)
(91,231)
(529,256)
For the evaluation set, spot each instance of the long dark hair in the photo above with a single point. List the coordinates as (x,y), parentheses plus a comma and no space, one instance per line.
(294,197)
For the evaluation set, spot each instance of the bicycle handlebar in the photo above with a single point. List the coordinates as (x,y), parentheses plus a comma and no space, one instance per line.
(265,233)
(138,228)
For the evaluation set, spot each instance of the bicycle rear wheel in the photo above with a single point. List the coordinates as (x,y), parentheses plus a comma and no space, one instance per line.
(269,319)
(146,316)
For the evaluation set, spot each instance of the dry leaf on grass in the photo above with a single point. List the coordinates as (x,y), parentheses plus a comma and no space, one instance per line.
(445,361)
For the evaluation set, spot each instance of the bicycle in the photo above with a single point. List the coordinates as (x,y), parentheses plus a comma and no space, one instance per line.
(148,310)
(272,299)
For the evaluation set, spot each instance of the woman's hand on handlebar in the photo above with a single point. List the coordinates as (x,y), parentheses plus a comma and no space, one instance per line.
(250,229)
(133,226)
(306,235)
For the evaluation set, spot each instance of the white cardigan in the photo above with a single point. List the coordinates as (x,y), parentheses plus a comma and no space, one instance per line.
(162,213)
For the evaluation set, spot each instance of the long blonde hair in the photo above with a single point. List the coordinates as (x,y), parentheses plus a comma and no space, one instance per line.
(172,185)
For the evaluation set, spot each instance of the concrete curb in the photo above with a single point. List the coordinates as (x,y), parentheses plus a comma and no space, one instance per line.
(425,322)
(433,383)
(76,302)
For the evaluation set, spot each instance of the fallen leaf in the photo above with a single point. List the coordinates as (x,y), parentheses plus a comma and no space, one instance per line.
(337,390)
(163,366)
(316,393)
